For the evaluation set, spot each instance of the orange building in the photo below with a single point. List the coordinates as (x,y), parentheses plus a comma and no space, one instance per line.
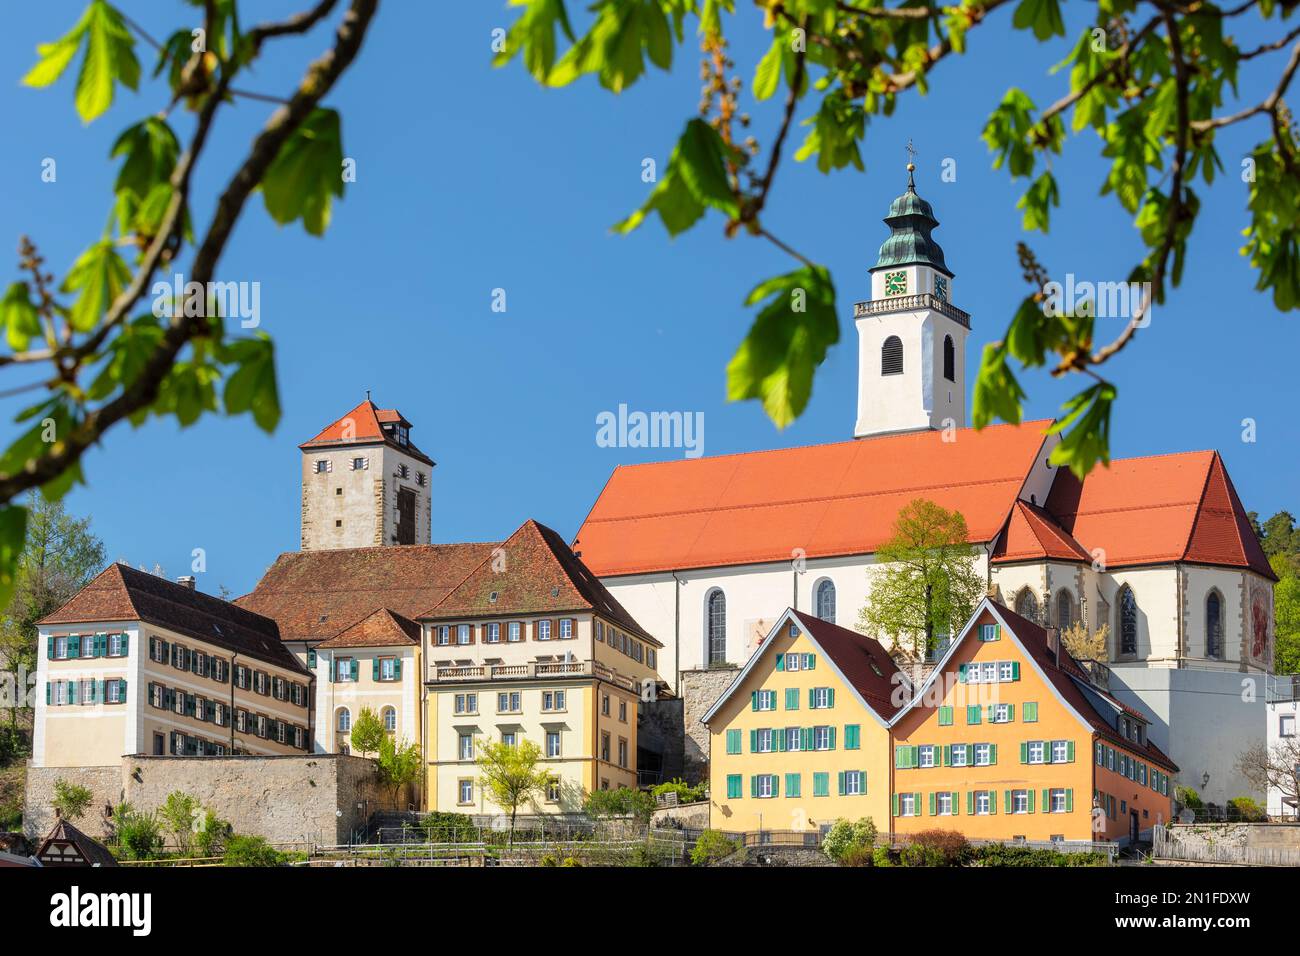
(1011,737)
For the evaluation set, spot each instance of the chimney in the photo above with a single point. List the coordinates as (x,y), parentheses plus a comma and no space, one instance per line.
(186,581)
(1054,644)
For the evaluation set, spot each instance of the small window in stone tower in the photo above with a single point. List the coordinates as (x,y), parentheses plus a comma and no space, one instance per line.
(360,464)
(323,465)
(949,359)
(421,478)
(338,522)
(404,471)
(891,356)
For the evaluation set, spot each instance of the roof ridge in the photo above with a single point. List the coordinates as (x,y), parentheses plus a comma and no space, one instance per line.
(915,433)
(1166,454)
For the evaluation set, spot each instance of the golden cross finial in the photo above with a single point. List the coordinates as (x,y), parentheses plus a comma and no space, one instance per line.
(911,163)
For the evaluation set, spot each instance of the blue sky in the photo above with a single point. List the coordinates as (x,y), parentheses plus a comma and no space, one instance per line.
(471,179)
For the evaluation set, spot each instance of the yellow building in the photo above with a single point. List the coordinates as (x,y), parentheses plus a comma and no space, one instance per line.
(530,646)
(137,664)
(1011,737)
(801,736)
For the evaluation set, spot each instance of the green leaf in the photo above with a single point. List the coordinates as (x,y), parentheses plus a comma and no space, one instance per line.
(997,394)
(21,320)
(695,179)
(1042,16)
(252,387)
(187,391)
(1087,419)
(128,351)
(13,533)
(98,276)
(533,34)
(1037,200)
(836,129)
(786,343)
(109,59)
(307,173)
(767,75)
(150,149)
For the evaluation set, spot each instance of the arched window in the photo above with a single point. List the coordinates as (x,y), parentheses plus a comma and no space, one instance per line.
(1213,625)
(390,719)
(826,600)
(715,622)
(949,359)
(1027,604)
(1064,610)
(891,356)
(1128,623)
(344,720)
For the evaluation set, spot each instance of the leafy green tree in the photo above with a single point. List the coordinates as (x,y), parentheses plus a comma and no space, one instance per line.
(251,851)
(71,800)
(368,732)
(623,801)
(106,360)
(1286,616)
(511,776)
(847,837)
(1155,83)
(137,834)
(212,835)
(925,580)
(180,815)
(712,846)
(400,764)
(60,555)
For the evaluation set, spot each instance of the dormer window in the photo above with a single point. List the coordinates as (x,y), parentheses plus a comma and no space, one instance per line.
(403,435)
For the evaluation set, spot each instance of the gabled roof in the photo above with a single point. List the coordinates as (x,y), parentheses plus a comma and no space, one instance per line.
(73,847)
(364,425)
(383,628)
(1031,534)
(1159,510)
(826,500)
(122,593)
(860,662)
(316,595)
(533,572)
(1070,681)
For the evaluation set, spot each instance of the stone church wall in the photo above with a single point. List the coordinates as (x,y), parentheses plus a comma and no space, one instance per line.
(700,690)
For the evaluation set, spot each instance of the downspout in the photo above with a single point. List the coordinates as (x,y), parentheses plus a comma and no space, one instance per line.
(677,634)
(311,712)
(794,587)
(232,702)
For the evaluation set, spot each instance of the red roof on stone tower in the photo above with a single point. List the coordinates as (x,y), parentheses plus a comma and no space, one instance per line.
(365,425)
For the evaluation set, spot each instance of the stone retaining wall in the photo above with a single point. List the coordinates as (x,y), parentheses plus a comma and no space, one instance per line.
(700,691)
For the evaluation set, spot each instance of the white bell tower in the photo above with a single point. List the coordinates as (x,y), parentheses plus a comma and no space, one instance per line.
(911,338)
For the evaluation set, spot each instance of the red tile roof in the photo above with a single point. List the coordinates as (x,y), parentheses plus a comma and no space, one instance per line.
(381,629)
(533,572)
(1070,680)
(863,662)
(833,499)
(121,593)
(1031,534)
(364,426)
(315,595)
(1159,510)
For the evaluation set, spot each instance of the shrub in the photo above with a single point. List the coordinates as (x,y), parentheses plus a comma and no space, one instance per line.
(946,847)
(442,827)
(71,799)
(860,856)
(643,854)
(685,792)
(1000,854)
(844,837)
(251,851)
(620,802)
(138,835)
(711,847)
(571,861)
(880,856)
(12,744)
(212,836)
(1188,797)
(1244,808)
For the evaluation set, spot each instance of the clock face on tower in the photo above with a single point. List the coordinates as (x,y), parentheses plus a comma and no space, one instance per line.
(895,283)
(941,287)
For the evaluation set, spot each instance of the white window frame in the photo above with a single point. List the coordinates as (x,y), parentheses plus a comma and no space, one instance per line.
(465,752)
(821,737)
(925,756)
(1001,713)
(1060,751)
(793,741)
(853,783)
(766,700)
(765,741)
(907,805)
(443,637)
(552,736)
(821,697)
(493,633)
(983,802)
(513,632)
(1019,801)
(766,786)
(1006,671)
(793,661)
(958,753)
(943,803)
(388,668)
(544,630)
(462,635)
(1054,796)
(982,756)
(566,628)
(1036,751)
(1286,725)
(465,791)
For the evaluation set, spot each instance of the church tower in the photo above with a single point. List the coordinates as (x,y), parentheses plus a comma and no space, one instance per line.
(911,338)
(364,483)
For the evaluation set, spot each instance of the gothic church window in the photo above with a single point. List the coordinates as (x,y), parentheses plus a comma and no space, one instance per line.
(1214,625)
(826,601)
(1128,623)
(1027,604)
(891,356)
(716,623)
(1064,610)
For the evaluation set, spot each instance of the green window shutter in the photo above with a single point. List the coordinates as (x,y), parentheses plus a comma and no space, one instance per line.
(792,698)
(72,692)
(397,669)
(1006,800)
(840,780)
(780,662)
(753,741)
(49,648)
(1047,751)
(831,734)
(805,738)
(852,737)
(998,631)
(126,643)
(1029,712)
(893,801)
(947,755)
(990,713)
(1011,713)
(811,699)
(933,795)
(970,802)
(1047,800)
(993,754)
(753,785)
(48,695)
(830,697)
(916,804)
(972,713)
(779,735)
(1069,751)
(900,759)
(1024,751)
(753,700)
(956,803)
(809,662)
(993,802)
(961,674)
(1069,800)
(74,646)
(374,670)
(354,668)
(1015,670)
(1031,799)
(776,785)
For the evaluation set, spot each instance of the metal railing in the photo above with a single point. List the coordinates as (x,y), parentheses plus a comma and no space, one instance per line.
(532,669)
(902,303)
